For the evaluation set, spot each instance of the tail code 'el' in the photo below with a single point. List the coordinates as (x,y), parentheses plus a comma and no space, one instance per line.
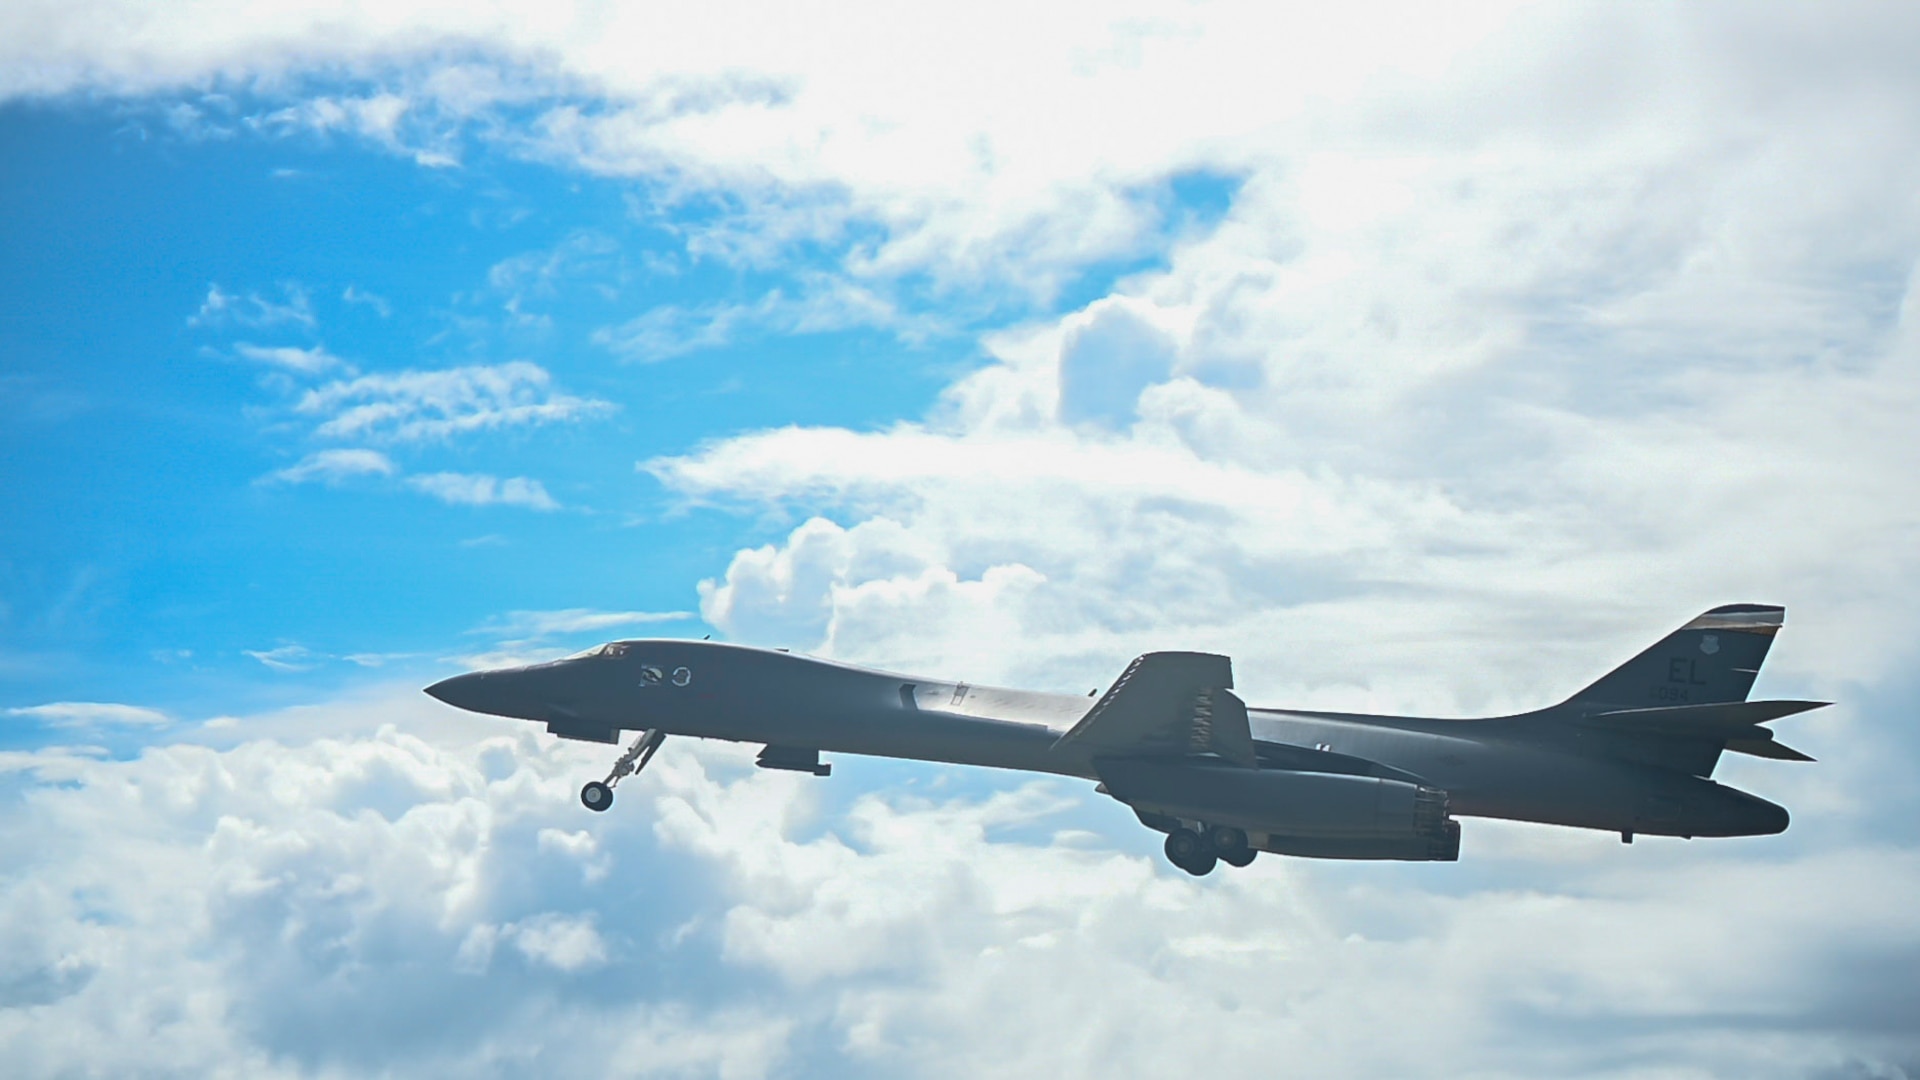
(1711,660)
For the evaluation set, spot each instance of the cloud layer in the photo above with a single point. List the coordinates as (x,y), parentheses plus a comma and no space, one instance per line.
(376,884)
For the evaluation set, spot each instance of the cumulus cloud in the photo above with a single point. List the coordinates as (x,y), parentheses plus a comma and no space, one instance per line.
(437,404)
(1106,363)
(88,713)
(563,943)
(479,489)
(343,886)
(1501,417)
(251,905)
(333,466)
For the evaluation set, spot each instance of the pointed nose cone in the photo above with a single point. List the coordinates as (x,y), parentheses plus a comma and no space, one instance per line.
(462,691)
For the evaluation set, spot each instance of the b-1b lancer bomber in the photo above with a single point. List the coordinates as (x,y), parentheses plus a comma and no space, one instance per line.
(1632,753)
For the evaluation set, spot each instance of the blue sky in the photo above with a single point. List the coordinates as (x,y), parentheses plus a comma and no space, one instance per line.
(147,546)
(1425,362)
(153,549)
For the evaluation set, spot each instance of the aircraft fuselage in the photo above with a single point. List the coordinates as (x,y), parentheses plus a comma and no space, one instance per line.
(1528,767)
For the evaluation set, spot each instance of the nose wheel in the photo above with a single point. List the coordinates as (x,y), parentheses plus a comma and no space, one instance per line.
(597,795)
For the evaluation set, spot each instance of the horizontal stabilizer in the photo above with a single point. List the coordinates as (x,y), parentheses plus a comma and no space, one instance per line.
(1168,703)
(1690,738)
(1766,748)
(1701,719)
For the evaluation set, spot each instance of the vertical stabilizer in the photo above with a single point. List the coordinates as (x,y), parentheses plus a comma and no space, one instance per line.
(1711,660)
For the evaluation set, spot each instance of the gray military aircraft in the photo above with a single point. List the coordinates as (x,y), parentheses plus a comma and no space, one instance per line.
(1631,753)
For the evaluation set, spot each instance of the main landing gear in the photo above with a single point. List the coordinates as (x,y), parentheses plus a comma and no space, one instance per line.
(598,794)
(1197,851)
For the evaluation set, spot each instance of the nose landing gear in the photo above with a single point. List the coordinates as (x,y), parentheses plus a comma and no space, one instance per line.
(597,795)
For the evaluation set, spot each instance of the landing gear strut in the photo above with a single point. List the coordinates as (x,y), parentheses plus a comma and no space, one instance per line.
(597,795)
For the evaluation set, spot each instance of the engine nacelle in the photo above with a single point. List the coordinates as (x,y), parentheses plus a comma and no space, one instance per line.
(1319,815)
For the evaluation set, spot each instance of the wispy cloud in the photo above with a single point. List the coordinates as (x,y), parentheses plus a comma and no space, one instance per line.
(824,305)
(479,489)
(333,466)
(285,657)
(387,118)
(68,714)
(253,310)
(585,254)
(356,295)
(420,405)
(528,637)
(312,361)
(534,624)
(374,660)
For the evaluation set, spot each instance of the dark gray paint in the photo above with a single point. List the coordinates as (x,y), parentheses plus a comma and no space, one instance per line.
(1632,753)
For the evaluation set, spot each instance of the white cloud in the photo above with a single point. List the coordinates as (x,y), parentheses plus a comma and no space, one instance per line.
(1528,333)
(374,660)
(353,294)
(527,637)
(333,466)
(479,489)
(311,361)
(289,898)
(252,310)
(565,944)
(286,657)
(88,713)
(824,305)
(1427,424)
(383,118)
(1001,161)
(1000,172)
(540,274)
(423,405)
(532,624)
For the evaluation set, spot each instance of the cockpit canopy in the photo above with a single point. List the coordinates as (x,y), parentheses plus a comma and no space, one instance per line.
(611,648)
(650,674)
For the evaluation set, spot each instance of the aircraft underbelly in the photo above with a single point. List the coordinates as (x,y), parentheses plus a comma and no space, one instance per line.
(917,734)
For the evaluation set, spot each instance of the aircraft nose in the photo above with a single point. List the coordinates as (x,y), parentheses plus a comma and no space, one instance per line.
(462,691)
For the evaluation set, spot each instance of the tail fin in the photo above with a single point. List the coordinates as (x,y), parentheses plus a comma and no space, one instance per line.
(1710,661)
